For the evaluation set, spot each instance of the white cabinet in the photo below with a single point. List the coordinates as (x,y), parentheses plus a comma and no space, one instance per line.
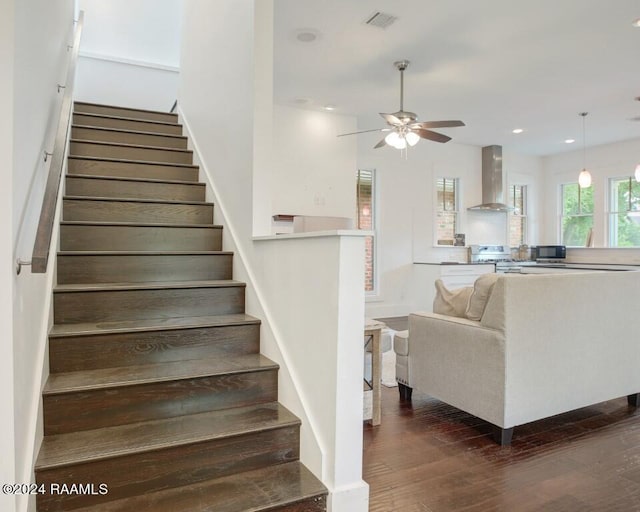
(453,276)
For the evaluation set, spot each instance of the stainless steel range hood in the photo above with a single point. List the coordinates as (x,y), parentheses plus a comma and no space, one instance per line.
(492,191)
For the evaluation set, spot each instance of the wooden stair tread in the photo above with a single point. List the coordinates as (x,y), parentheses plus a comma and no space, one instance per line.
(139,120)
(136,224)
(123,130)
(123,145)
(122,376)
(135,200)
(153,285)
(143,253)
(135,180)
(122,108)
(155,324)
(129,161)
(259,490)
(90,445)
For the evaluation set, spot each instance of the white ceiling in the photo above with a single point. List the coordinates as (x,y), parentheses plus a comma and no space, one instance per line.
(495,64)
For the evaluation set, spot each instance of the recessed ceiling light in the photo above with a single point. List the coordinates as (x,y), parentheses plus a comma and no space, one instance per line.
(517,130)
(636,23)
(329,107)
(569,141)
(307,35)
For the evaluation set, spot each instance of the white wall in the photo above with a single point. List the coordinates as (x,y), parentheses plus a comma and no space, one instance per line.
(128,84)
(130,53)
(142,30)
(218,107)
(314,171)
(406,202)
(42,31)
(604,162)
(315,301)
(7,436)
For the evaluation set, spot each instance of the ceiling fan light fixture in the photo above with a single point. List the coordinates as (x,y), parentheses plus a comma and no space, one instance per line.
(412,138)
(391,138)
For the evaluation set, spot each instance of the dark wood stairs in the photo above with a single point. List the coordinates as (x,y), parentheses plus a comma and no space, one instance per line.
(157,388)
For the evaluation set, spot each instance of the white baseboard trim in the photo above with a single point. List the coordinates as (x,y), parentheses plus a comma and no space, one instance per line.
(130,62)
(354,498)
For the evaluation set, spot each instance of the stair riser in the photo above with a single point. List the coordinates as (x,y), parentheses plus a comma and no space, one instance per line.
(131,170)
(128,349)
(127,211)
(85,410)
(96,187)
(139,238)
(124,112)
(130,153)
(142,139)
(161,469)
(75,269)
(111,306)
(126,124)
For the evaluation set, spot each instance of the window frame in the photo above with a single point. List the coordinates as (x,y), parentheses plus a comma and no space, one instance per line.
(613,215)
(562,215)
(524,216)
(374,222)
(456,211)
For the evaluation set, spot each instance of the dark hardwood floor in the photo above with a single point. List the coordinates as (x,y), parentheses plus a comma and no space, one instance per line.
(427,456)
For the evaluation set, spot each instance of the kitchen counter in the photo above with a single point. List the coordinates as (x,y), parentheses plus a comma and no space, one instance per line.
(533,266)
(452,263)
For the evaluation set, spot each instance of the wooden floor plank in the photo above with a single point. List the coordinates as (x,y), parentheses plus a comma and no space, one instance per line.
(429,456)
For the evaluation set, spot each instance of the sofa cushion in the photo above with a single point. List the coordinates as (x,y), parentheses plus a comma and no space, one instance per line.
(451,302)
(481,292)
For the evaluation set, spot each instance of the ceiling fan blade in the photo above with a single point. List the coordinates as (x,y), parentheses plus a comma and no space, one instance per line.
(434,136)
(380,144)
(364,131)
(438,124)
(391,119)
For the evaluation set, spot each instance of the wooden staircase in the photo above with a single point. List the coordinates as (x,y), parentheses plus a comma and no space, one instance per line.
(157,388)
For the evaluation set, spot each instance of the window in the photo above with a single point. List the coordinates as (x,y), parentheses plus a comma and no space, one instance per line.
(446,210)
(365,194)
(518,216)
(624,197)
(577,215)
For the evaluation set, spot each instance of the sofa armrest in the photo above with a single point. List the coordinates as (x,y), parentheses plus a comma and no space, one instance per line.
(460,362)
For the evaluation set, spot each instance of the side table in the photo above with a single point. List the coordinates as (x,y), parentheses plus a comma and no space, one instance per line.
(372,330)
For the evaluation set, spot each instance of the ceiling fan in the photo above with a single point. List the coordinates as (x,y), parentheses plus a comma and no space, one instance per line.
(404,129)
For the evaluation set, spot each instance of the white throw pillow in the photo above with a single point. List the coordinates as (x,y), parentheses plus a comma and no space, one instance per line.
(480,295)
(451,302)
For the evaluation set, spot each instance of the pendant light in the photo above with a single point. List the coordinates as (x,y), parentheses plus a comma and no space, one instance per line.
(584,179)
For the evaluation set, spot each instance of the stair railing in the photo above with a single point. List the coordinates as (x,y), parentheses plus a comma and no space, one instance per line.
(44,234)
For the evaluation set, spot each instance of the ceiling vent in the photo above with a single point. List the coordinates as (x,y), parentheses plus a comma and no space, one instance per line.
(380,20)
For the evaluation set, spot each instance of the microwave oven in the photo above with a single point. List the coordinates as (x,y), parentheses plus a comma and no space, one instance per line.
(549,252)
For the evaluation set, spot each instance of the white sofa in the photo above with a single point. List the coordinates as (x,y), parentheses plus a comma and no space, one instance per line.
(546,344)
